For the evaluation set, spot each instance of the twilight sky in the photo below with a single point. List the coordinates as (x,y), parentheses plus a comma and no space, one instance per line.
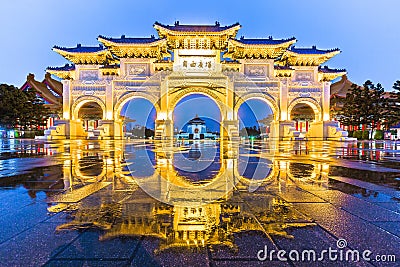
(367,31)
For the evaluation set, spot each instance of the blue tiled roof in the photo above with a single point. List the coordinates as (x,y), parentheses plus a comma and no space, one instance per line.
(312,50)
(128,40)
(197,28)
(66,67)
(81,49)
(264,41)
(326,69)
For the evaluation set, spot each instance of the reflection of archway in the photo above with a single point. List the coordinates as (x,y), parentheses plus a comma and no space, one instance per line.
(90,167)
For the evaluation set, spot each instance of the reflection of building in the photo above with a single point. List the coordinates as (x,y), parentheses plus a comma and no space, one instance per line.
(175,211)
(121,69)
(196,129)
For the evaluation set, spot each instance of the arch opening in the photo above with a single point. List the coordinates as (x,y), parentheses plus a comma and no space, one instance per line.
(197,121)
(197,116)
(90,113)
(303,114)
(138,116)
(255,117)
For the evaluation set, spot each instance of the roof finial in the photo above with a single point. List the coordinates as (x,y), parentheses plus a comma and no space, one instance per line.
(78,45)
(217,23)
(177,23)
(314,47)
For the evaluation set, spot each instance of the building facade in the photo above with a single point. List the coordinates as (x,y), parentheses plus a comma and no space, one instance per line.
(194,59)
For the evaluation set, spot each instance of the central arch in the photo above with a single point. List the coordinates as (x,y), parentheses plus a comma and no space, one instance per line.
(217,97)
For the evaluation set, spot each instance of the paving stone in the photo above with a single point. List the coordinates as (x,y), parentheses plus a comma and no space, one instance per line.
(35,246)
(297,195)
(150,253)
(358,207)
(88,263)
(22,219)
(358,233)
(88,246)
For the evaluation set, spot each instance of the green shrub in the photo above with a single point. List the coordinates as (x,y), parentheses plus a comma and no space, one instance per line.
(378,135)
(357,134)
(365,135)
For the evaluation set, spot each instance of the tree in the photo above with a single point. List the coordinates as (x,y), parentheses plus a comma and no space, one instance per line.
(377,105)
(22,109)
(363,105)
(350,115)
(393,105)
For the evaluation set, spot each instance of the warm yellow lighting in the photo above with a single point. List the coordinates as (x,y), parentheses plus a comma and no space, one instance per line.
(284,116)
(162,116)
(66,115)
(109,115)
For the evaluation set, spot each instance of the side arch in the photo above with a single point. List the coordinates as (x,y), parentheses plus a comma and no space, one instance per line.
(132,95)
(269,100)
(309,101)
(80,101)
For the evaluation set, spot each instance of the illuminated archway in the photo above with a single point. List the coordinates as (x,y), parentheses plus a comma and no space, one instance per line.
(256,112)
(316,107)
(84,100)
(136,116)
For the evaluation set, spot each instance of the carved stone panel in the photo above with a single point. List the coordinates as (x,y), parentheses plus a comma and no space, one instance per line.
(137,69)
(88,75)
(255,70)
(303,76)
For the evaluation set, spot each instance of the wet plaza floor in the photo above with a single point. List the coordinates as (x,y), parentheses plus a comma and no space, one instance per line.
(200,203)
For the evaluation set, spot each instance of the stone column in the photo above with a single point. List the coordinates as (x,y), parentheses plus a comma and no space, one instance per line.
(283,100)
(66,100)
(108,121)
(326,94)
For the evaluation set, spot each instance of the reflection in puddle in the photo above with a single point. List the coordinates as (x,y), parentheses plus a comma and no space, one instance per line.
(188,195)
